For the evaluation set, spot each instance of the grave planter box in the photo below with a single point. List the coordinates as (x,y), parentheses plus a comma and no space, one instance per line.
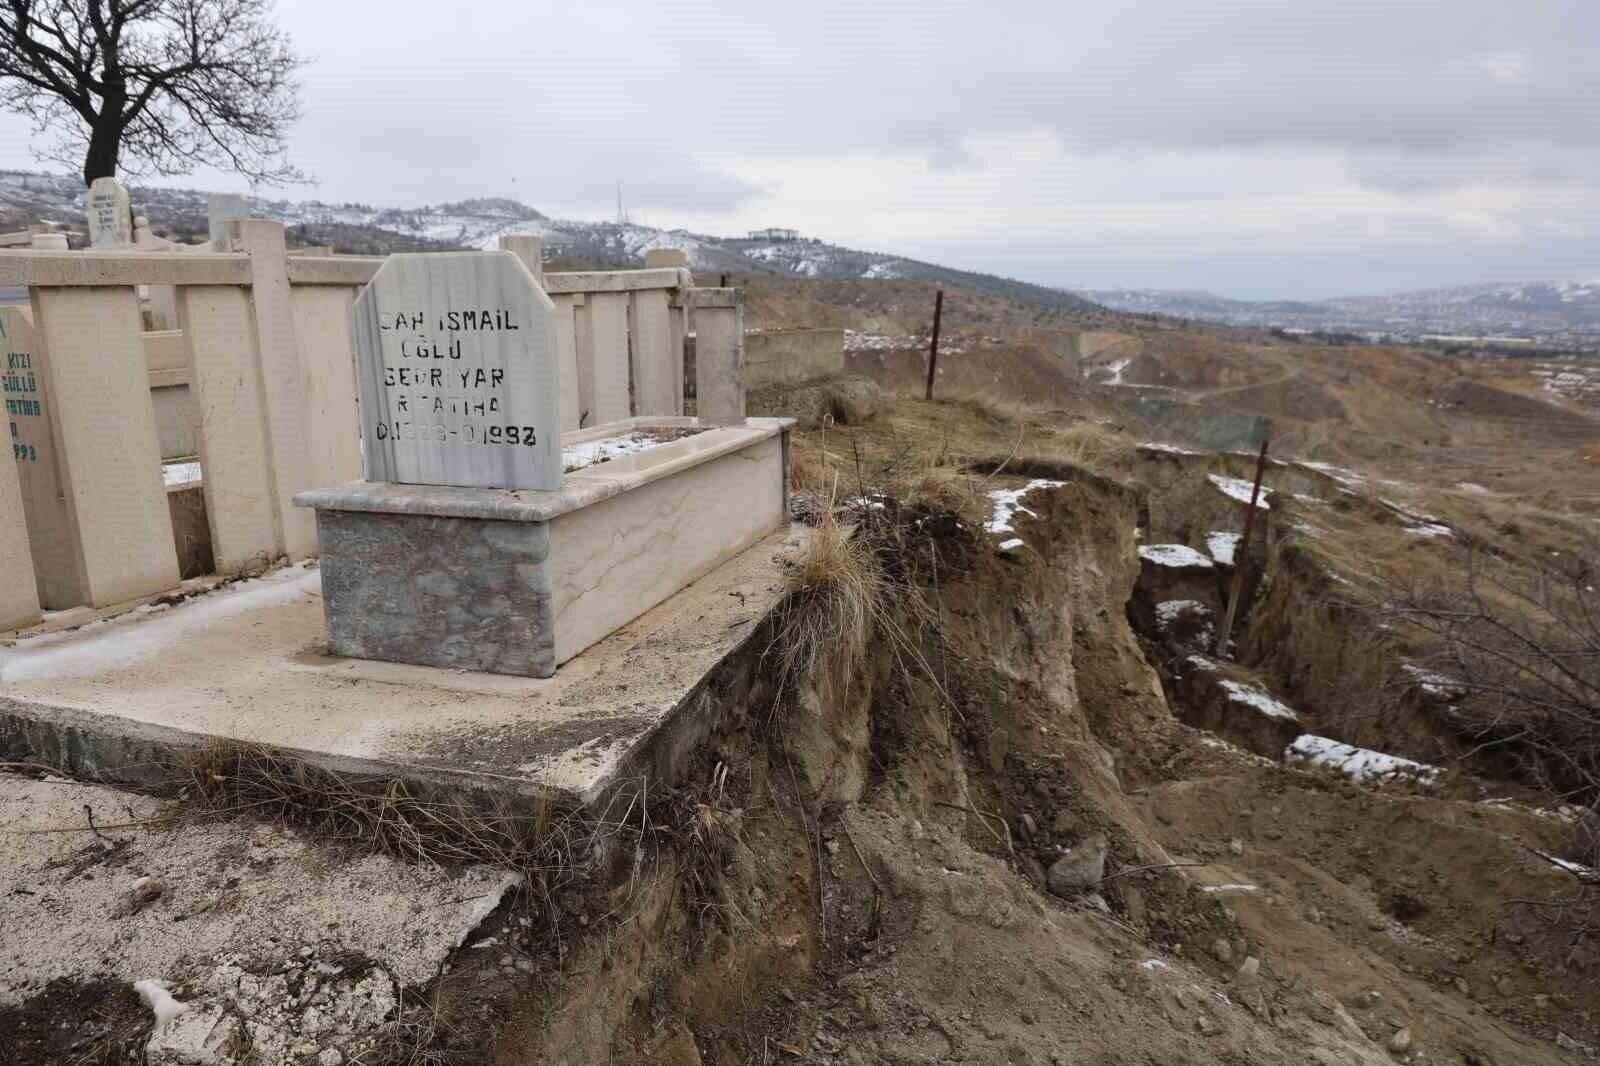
(519,581)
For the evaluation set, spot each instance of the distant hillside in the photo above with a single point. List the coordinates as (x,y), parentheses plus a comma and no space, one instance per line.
(1555,314)
(364,228)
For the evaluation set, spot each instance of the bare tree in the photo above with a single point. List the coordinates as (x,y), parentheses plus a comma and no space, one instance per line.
(152,86)
(1518,649)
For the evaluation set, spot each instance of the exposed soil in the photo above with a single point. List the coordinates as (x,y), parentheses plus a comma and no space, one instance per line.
(90,1022)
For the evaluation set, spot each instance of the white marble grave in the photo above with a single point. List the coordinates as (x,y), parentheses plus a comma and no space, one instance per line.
(222,208)
(110,221)
(455,365)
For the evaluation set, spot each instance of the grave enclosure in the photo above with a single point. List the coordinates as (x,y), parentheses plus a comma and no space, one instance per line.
(475,543)
(266,343)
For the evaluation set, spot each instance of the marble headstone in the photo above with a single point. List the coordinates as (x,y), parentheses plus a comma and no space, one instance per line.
(110,222)
(456,373)
(221,208)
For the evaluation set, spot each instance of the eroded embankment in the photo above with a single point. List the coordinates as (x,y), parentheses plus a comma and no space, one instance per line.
(982,836)
(973,848)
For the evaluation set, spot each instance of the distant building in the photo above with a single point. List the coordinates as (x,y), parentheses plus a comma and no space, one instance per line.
(775,234)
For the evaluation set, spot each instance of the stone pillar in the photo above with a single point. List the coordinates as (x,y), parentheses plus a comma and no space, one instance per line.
(719,355)
(529,249)
(19,591)
(282,380)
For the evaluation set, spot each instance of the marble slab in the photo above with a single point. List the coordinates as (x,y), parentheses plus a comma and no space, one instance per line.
(110,221)
(456,371)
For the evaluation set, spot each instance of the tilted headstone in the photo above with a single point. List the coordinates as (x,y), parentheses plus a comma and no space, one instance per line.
(456,371)
(110,221)
(665,257)
(28,417)
(221,208)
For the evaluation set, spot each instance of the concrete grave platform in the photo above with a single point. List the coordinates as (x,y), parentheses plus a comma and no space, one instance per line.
(247,662)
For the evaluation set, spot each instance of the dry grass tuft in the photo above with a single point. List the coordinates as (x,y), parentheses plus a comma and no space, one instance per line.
(390,815)
(835,592)
(1095,447)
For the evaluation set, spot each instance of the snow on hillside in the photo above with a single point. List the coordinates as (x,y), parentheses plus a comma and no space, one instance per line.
(26,197)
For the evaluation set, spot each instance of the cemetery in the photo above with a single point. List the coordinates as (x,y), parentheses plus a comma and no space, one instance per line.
(437,514)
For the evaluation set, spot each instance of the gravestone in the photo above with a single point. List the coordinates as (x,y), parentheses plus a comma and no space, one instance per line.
(110,221)
(456,372)
(665,257)
(221,208)
(28,417)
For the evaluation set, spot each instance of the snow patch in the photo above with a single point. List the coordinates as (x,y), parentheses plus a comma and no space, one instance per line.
(1433,683)
(1165,449)
(1240,489)
(1008,504)
(1222,545)
(590,452)
(1250,696)
(112,644)
(1221,889)
(1175,555)
(1360,764)
(179,473)
(1168,611)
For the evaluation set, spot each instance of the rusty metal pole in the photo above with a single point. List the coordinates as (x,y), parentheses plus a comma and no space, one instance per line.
(1241,557)
(933,349)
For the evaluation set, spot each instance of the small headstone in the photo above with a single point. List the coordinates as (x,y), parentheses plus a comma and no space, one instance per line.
(221,208)
(456,371)
(665,257)
(110,222)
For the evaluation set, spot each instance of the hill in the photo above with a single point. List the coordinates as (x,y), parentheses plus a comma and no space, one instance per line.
(27,197)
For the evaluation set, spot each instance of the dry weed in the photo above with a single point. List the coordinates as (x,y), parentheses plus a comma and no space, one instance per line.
(835,592)
(1095,447)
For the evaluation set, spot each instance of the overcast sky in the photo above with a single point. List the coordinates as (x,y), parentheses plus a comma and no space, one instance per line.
(1256,148)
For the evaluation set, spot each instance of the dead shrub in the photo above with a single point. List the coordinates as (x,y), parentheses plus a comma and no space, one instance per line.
(1517,651)
(1094,446)
(835,591)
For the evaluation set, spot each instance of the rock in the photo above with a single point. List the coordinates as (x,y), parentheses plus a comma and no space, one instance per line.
(1222,950)
(1334,1013)
(1249,971)
(1028,826)
(1081,868)
(330,1056)
(1236,846)
(201,1036)
(139,893)
(1462,986)
(1400,1042)
(160,1001)
(1206,1025)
